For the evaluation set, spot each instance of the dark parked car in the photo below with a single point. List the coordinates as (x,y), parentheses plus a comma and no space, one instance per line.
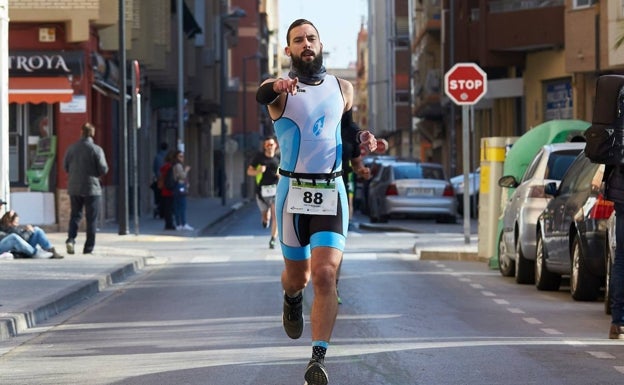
(571,232)
(474,179)
(411,188)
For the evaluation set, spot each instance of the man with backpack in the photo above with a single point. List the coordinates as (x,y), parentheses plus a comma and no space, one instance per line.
(605,145)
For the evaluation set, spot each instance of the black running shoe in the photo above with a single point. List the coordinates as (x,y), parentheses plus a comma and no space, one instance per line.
(316,374)
(292,318)
(272,243)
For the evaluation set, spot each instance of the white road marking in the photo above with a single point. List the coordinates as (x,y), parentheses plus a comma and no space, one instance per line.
(515,310)
(619,369)
(602,355)
(211,259)
(476,286)
(500,301)
(488,293)
(551,331)
(532,321)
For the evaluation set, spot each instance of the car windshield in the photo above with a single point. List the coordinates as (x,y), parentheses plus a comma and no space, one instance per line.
(559,162)
(415,171)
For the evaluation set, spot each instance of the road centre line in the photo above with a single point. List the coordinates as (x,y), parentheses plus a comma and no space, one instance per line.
(500,301)
(551,331)
(532,321)
(602,355)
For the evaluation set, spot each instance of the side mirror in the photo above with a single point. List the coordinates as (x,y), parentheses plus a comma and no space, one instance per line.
(551,188)
(508,181)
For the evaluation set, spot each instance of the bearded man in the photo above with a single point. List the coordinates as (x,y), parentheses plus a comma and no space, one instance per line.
(309,109)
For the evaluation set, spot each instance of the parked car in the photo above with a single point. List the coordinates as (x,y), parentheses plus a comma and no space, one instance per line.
(571,232)
(516,243)
(411,188)
(474,178)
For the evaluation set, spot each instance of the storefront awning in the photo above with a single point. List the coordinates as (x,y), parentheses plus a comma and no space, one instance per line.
(40,90)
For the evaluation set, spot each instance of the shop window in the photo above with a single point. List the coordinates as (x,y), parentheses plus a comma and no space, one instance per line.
(29,126)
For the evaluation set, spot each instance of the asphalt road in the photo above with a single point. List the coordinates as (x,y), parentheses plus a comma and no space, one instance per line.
(212,315)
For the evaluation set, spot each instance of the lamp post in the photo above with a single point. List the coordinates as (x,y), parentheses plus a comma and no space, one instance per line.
(244,105)
(237,13)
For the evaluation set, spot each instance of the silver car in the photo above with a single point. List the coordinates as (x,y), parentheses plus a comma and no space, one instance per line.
(517,241)
(411,188)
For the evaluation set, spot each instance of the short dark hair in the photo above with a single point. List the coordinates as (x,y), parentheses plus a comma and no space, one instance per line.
(269,137)
(297,23)
(163,146)
(88,130)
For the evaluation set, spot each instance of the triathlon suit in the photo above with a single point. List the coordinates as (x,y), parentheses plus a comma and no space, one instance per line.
(308,132)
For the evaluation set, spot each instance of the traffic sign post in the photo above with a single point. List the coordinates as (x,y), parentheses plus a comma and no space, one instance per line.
(465,84)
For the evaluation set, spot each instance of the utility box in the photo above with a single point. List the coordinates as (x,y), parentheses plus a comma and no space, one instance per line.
(493,153)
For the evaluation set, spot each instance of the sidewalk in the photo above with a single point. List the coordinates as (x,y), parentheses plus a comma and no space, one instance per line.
(33,290)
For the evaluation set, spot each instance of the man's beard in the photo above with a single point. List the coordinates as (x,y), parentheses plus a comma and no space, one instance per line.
(307,69)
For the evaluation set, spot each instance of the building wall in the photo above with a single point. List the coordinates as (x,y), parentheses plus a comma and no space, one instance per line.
(541,66)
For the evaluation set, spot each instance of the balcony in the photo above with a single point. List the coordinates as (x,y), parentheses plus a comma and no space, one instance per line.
(500,33)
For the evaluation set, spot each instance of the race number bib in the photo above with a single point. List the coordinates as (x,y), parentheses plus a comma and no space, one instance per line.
(307,198)
(268,191)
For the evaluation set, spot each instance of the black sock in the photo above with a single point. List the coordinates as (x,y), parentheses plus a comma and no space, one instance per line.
(318,353)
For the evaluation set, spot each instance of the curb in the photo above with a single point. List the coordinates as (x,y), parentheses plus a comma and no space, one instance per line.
(440,255)
(233,208)
(13,324)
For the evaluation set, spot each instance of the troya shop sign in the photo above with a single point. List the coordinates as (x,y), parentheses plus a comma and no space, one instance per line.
(46,63)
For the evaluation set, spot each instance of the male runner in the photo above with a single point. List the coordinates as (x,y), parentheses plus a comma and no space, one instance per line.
(308,108)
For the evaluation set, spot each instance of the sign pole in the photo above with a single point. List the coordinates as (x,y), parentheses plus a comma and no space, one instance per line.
(465,84)
(466,170)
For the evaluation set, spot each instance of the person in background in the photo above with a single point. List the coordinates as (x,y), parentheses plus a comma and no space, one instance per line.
(18,247)
(34,235)
(180,173)
(166,195)
(263,166)
(157,163)
(308,106)
(85,164)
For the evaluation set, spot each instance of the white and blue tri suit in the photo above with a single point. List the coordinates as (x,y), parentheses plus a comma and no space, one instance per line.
(308,132)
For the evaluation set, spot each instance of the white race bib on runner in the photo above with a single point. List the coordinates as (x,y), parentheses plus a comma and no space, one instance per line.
(305,197)
(268,191)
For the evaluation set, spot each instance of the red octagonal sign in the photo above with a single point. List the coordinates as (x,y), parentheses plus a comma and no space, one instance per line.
(465,83)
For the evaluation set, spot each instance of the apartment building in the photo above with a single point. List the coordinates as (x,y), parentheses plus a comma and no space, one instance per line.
(65,70)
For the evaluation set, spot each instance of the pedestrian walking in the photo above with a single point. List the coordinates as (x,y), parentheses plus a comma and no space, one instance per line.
(166,184)
(180,174)
(157,163)
(85,164)
(263,167)
(308,107)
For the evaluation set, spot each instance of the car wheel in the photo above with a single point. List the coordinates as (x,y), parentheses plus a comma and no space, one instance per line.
(446,219)
(544,279)
(506,266)
(374,218)
(584,286)
(525,269)
(383,218)
(608,265)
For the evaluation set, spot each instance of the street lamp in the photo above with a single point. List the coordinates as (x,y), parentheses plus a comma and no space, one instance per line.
(237,13)
(255,56)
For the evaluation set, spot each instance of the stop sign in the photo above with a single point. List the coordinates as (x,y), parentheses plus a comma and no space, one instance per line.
(465,83)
